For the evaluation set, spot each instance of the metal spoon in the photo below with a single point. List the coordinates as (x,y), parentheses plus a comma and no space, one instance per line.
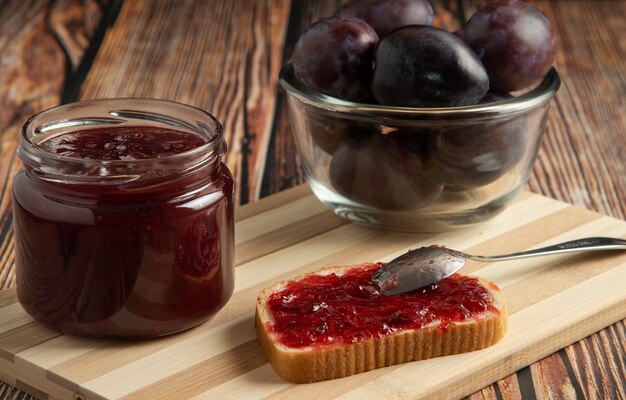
(428,265)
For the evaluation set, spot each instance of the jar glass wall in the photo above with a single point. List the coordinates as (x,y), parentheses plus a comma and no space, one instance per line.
(134,247)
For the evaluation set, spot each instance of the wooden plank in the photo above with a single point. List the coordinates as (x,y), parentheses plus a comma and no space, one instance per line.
(599,363)
(23,337)
(204,379)
(551,375)
(283,197)
(25,89)
(43,43)
(251,277)
(296,221)
(585,134)
(222,354)
(75,24)
(282,167)
(229,68)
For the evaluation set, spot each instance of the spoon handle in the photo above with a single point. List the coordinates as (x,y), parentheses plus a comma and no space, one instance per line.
(592,243)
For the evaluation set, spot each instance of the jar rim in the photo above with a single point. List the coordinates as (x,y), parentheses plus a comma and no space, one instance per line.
(212,144)
(537,96)
(111,112)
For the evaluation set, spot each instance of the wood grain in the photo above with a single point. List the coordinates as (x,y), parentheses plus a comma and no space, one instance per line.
(573,295)
(604,368)
(585,135)
(582,161)
(283,169)
(42,44)
(222,57)
(11,393)
(26,89)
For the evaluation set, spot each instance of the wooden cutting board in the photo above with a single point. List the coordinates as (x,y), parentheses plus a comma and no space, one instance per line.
(553,301)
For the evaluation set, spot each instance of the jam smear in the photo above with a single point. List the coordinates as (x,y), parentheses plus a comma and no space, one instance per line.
(122,143)
(325,309)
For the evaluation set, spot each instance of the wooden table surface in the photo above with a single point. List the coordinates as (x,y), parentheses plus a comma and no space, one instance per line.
(224,56)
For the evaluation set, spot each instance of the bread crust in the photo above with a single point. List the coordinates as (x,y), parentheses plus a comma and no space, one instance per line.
(312,364)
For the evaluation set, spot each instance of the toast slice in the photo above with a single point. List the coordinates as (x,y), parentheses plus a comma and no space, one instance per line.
(337,354)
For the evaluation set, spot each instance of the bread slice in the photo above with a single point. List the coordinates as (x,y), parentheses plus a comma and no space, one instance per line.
(337,360)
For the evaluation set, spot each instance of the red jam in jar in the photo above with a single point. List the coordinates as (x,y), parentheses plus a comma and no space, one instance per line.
(323,309)
(123,218)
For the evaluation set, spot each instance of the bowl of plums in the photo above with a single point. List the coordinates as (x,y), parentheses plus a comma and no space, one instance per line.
(406,126)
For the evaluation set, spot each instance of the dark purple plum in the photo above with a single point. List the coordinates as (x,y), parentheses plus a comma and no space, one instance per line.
(327,131)
(415,141)
(472,156)
(492,96)
(386,15)
(514,41)
(376,171)
(334,56)
(422,66)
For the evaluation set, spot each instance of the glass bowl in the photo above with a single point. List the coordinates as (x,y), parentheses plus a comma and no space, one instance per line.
(417,169)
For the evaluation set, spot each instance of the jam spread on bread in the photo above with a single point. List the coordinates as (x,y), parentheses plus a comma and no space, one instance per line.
(328,308)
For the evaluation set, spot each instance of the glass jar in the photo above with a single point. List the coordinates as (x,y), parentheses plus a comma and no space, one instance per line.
(131,247)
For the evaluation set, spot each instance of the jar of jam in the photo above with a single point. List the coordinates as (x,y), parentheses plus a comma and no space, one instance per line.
(123,218)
